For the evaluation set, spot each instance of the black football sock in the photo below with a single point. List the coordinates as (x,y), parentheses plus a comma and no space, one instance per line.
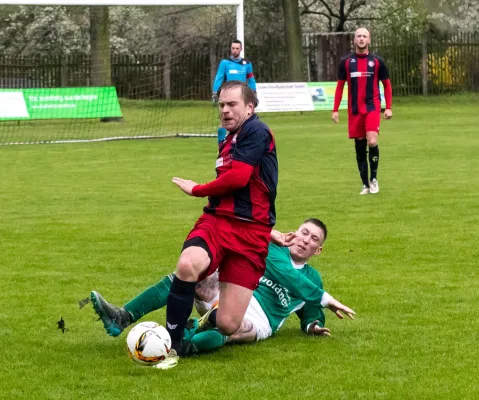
(362,159)
(374,161)
(212,318)
(178,309)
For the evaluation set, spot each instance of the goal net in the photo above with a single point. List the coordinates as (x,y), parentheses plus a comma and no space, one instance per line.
(74,73)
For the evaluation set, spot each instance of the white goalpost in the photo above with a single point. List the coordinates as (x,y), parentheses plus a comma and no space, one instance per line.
(159,89)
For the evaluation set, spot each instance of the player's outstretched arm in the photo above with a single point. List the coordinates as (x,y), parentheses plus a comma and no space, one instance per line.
(185,185)
(339,308)
(316,330)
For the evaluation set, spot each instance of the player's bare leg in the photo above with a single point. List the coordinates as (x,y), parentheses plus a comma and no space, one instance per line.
(208,289)
(234,301)
(224,319)
(245,334)
(372,138)
(229,313)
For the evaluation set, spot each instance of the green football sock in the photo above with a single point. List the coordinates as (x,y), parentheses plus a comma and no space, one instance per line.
(207,341)
(151,299)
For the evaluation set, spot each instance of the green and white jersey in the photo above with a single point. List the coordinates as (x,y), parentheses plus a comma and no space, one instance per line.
(286,288)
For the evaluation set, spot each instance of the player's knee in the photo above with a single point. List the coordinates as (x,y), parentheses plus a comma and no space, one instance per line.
(193,261)
(187,268)
(372,142)
(228,324)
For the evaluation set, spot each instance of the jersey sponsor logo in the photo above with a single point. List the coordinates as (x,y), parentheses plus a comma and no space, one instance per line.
(234,71)
(220,162)
(361,74)
(280,291)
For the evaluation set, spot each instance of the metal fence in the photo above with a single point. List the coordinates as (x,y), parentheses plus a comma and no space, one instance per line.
(428,64)
(418,64)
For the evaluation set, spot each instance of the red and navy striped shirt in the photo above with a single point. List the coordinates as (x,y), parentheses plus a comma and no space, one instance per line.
(363,72)
(252,144)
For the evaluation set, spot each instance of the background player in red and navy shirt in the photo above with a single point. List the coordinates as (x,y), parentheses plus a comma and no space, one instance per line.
(363,71)
(234,231)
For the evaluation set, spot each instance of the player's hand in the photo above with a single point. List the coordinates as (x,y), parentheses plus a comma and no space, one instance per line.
(214,99)
(388,114)
(315,330)
(336,307)
(283,239)
(185,185)
(335,117)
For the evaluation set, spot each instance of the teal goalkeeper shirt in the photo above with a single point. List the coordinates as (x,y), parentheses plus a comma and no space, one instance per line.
(285,289)
(231,69)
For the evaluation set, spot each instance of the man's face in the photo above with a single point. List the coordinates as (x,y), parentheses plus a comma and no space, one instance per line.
(233,110)
(235,50)
(362,39)
(308,243)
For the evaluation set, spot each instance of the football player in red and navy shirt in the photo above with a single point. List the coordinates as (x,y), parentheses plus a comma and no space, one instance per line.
(363,71)
(234,231)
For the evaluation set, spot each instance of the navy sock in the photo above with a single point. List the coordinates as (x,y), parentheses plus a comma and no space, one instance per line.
(362,159)
(212,317)
(374,161)
(178,309)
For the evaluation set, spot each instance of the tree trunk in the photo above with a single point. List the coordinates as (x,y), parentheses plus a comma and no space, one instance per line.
(100,46)
(292,29)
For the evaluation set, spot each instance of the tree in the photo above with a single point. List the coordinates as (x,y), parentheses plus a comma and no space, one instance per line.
(347,15)
(336,13)
(100,46)
(292,31)
(41,31)
(454,15)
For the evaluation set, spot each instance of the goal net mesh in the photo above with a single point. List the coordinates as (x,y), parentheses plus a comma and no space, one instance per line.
(71,73)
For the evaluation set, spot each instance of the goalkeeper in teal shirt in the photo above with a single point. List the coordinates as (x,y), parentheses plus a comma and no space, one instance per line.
(234,68)
(288,286)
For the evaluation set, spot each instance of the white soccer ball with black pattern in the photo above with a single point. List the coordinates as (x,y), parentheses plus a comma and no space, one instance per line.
(148,343)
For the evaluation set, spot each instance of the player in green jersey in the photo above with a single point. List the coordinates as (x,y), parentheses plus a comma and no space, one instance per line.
(289,286)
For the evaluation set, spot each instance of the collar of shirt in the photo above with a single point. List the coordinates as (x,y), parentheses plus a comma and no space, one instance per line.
(254,116)
(236,60)
(362,55)
(296,266)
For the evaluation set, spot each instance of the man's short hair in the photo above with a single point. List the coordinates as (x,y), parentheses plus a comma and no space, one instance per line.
(237,42)
(320,224)
(247,93)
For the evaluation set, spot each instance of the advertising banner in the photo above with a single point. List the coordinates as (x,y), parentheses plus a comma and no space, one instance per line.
(53,103)
(301,96)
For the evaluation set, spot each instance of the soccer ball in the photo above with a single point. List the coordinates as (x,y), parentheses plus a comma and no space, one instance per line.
(148,343)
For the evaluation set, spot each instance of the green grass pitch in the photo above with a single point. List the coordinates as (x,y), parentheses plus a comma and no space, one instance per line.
(106,216)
